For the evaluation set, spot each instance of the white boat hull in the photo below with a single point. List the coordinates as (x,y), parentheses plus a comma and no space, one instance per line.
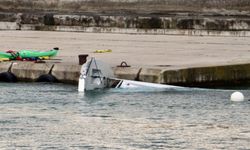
(94,75)
(130,84)
(98,75)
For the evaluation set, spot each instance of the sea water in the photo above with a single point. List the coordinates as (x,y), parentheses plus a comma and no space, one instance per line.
(56,116)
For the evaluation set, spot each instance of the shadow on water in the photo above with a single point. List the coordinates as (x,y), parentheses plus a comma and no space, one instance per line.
(151,90)
(245,86)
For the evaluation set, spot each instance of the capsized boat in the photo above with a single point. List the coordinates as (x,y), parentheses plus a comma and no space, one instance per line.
(130,84)
(36,54)
(97,75)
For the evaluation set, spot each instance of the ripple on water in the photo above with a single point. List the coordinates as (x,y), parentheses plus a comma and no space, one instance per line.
(55,116)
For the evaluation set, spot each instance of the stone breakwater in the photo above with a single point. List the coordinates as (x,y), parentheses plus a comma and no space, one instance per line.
(179,17)
(212,76)
(170,23)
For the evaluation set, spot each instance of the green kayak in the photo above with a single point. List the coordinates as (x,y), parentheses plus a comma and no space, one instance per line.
(6,55)
(34,54)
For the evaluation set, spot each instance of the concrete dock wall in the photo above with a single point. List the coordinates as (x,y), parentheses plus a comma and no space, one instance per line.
(66,73)
(229,75)
(30,71)
(213,76)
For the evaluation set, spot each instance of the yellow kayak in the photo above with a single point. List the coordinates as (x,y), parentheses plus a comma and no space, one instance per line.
(4,59)
(103,51)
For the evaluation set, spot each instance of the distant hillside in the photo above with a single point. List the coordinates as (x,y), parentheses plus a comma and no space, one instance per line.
(125,6)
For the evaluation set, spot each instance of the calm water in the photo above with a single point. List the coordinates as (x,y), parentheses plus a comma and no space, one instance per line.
(56,116)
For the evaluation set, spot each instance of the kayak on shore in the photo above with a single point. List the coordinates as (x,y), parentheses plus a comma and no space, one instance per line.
(36,54)
(28,54)
(5,55)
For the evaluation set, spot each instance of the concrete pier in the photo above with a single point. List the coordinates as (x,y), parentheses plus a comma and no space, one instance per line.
(213,76)
(179,60)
